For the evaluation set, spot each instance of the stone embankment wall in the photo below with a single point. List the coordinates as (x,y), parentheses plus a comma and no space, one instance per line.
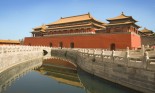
(8,76)
(13,55)
(133,69)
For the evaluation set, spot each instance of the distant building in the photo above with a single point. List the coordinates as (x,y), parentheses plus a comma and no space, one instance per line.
(147,37)
(84,31)
(146,32)
(9,42)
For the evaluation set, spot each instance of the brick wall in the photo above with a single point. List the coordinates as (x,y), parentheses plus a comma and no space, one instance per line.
(121,41)
(135,41)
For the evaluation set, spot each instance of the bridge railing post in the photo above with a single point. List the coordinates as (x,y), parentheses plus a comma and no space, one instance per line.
(102,53)
(143,49)
(127,57)
(83,50)
(145,60)
(87,52)
(112,55)
(94,53)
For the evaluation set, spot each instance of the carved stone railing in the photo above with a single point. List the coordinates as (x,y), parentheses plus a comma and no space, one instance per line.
(134,59)
(131,58)
(11,55)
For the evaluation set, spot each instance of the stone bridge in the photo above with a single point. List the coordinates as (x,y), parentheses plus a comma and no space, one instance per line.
(131,68)
(11,55)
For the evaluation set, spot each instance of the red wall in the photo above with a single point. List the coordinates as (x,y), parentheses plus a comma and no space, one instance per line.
(121,41)
(135,41)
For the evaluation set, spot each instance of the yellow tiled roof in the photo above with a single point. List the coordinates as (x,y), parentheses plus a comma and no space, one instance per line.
(71,26)
(74,19)
(122,24)
(146,30)
(9,41)
(122,16)
(40,27)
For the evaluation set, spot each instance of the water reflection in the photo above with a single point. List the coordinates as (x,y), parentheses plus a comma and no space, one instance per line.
(60,74)
(45,79)
(54,76)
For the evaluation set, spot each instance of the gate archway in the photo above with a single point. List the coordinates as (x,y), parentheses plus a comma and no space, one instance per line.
(113,46)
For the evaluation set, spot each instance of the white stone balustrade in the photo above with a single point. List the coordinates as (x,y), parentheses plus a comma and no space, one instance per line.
(11,55)
(131,58)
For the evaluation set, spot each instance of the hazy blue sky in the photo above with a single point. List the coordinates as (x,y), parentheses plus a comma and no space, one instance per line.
(18,17)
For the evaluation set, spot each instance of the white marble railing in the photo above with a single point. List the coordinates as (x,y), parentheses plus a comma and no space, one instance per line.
(11,55)
(122,53)
(133,58)
(7,49)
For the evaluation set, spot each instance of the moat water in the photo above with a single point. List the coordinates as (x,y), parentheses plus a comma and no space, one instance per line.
(55,79)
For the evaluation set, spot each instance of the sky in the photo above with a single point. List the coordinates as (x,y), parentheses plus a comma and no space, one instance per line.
(18,17)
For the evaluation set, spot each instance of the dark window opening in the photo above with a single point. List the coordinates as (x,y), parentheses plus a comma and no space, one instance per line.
(51,44)
(29,44)
(71,45)
(61,45)
(112,46)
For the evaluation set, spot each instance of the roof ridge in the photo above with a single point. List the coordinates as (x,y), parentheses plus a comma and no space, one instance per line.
(121,16)
(146,29)
(75,16)
(15,41)
(41,26)
(124,15)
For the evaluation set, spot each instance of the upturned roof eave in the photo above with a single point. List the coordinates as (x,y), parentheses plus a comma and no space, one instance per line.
(120,19)
(123,24)
(85,18)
